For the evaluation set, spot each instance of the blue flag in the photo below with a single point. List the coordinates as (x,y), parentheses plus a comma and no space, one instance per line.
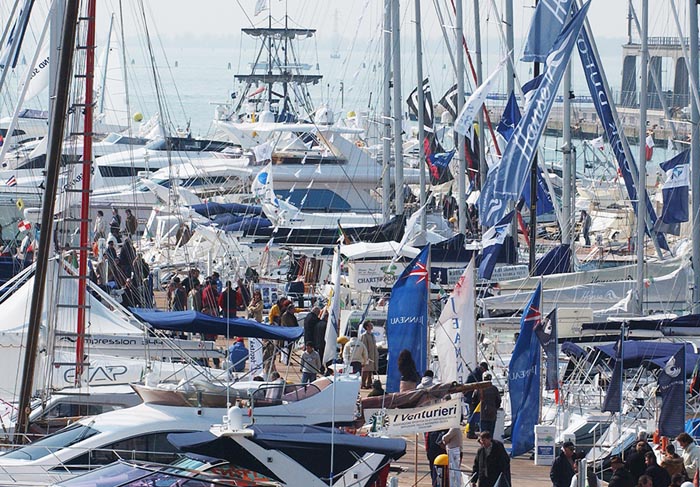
(613,397)
(439,166)
(524,378)
(505,182)
(510,118)
(672,390)
(601,100)
(492,242)
(675,189)
(546,331)
(547,22)
(407,318)
(544,198)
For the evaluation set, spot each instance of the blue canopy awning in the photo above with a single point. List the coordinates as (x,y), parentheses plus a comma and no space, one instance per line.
(573,350)
(690,360)
(196,322)
(635,352)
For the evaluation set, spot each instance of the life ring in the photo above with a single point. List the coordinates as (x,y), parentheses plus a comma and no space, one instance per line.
(359,143)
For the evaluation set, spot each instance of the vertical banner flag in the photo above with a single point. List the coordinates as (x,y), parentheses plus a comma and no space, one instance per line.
(524,378)
(407,317)
(505,182)
(491,243)
(331,337)
(449,101)
(455,332)
(10,51)
(510,118)
(547,21)
(672,391)
(613,397)
(546,331)
(255,353)
(601,99)
(675,189)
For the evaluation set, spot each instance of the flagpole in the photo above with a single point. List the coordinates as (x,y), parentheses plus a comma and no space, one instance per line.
(622,366)
(461,176)
(695,154)
(421,110)
(641,170)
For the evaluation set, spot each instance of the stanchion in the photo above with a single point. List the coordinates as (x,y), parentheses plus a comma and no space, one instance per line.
(442,461)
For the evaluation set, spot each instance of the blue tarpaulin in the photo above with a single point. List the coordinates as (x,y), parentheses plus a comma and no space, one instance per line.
(196,322)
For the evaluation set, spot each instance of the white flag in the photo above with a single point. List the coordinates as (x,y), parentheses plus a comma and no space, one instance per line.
(39,79)
(331,349)
(455,331)
(464,121)
(262,152)
(598,143)
(260,6)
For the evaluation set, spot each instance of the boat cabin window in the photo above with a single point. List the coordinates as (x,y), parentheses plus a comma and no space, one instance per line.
(321,200)
(15,132)
(120,171)
(66,437)
(124,140)
(39,162)
(105,477)
(68,410)
(153,447)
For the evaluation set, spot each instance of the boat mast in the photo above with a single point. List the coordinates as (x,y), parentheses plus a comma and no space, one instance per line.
(398,125)
(695,151)
(642,169)
(421,111)
(481,154)
(461,176)
(533,191)
(386,115)
(88,110)
(53,161)
(568,174)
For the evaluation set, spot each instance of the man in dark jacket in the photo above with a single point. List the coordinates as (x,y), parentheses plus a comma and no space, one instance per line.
(562,470)
(635,463)
(490,463)
(310,322)
(621,477)
(490,402)
(659,476)
(433,448)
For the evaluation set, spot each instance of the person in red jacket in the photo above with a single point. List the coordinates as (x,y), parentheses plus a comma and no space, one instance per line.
(228,301)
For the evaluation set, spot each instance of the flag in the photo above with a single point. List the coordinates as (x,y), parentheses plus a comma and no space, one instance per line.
(649,147)
(435,156)
(39,79)
(262,152)
(343,236)
(24,226)
(438,165)
(672,391)
(11,182)
(455,331)
(10,51)
(449,101)
(491,243)
(613,397)
(544,198)
(463,123)
(546,331)
(260,5)
(505,182)
(407,317)
(510,118)
(530,88)
(547,22)
(675,189)
(331,350)
(524,378)
(602,100)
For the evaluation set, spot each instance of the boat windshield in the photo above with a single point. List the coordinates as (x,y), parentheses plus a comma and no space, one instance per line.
(66,437)
(109,475)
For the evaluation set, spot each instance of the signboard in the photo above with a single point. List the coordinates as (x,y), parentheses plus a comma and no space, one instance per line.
(544,444)
(508,272)
(401,422)
(453,275)
(365,275)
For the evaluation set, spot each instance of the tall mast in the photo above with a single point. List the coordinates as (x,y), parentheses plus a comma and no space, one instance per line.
(398,117)
(481,155)
(567,189)
(386,114)
(421,112)
(533,191)
(642,169)
(461,176)
(85,190)
(695,150)
(53,160)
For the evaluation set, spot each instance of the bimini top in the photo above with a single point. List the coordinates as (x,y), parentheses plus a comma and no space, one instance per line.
(196,322)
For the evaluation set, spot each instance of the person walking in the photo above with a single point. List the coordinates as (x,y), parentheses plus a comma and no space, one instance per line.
(635,462)
(288,319)
(355,354)
(310,322)
(130,223)
(433,448)
(586,227)
(563,467)
(372,365)
(691,453)
(659,476)
(490,463)
(100,228)
(227,301)
(672,461)
(490,402)
(310,364)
